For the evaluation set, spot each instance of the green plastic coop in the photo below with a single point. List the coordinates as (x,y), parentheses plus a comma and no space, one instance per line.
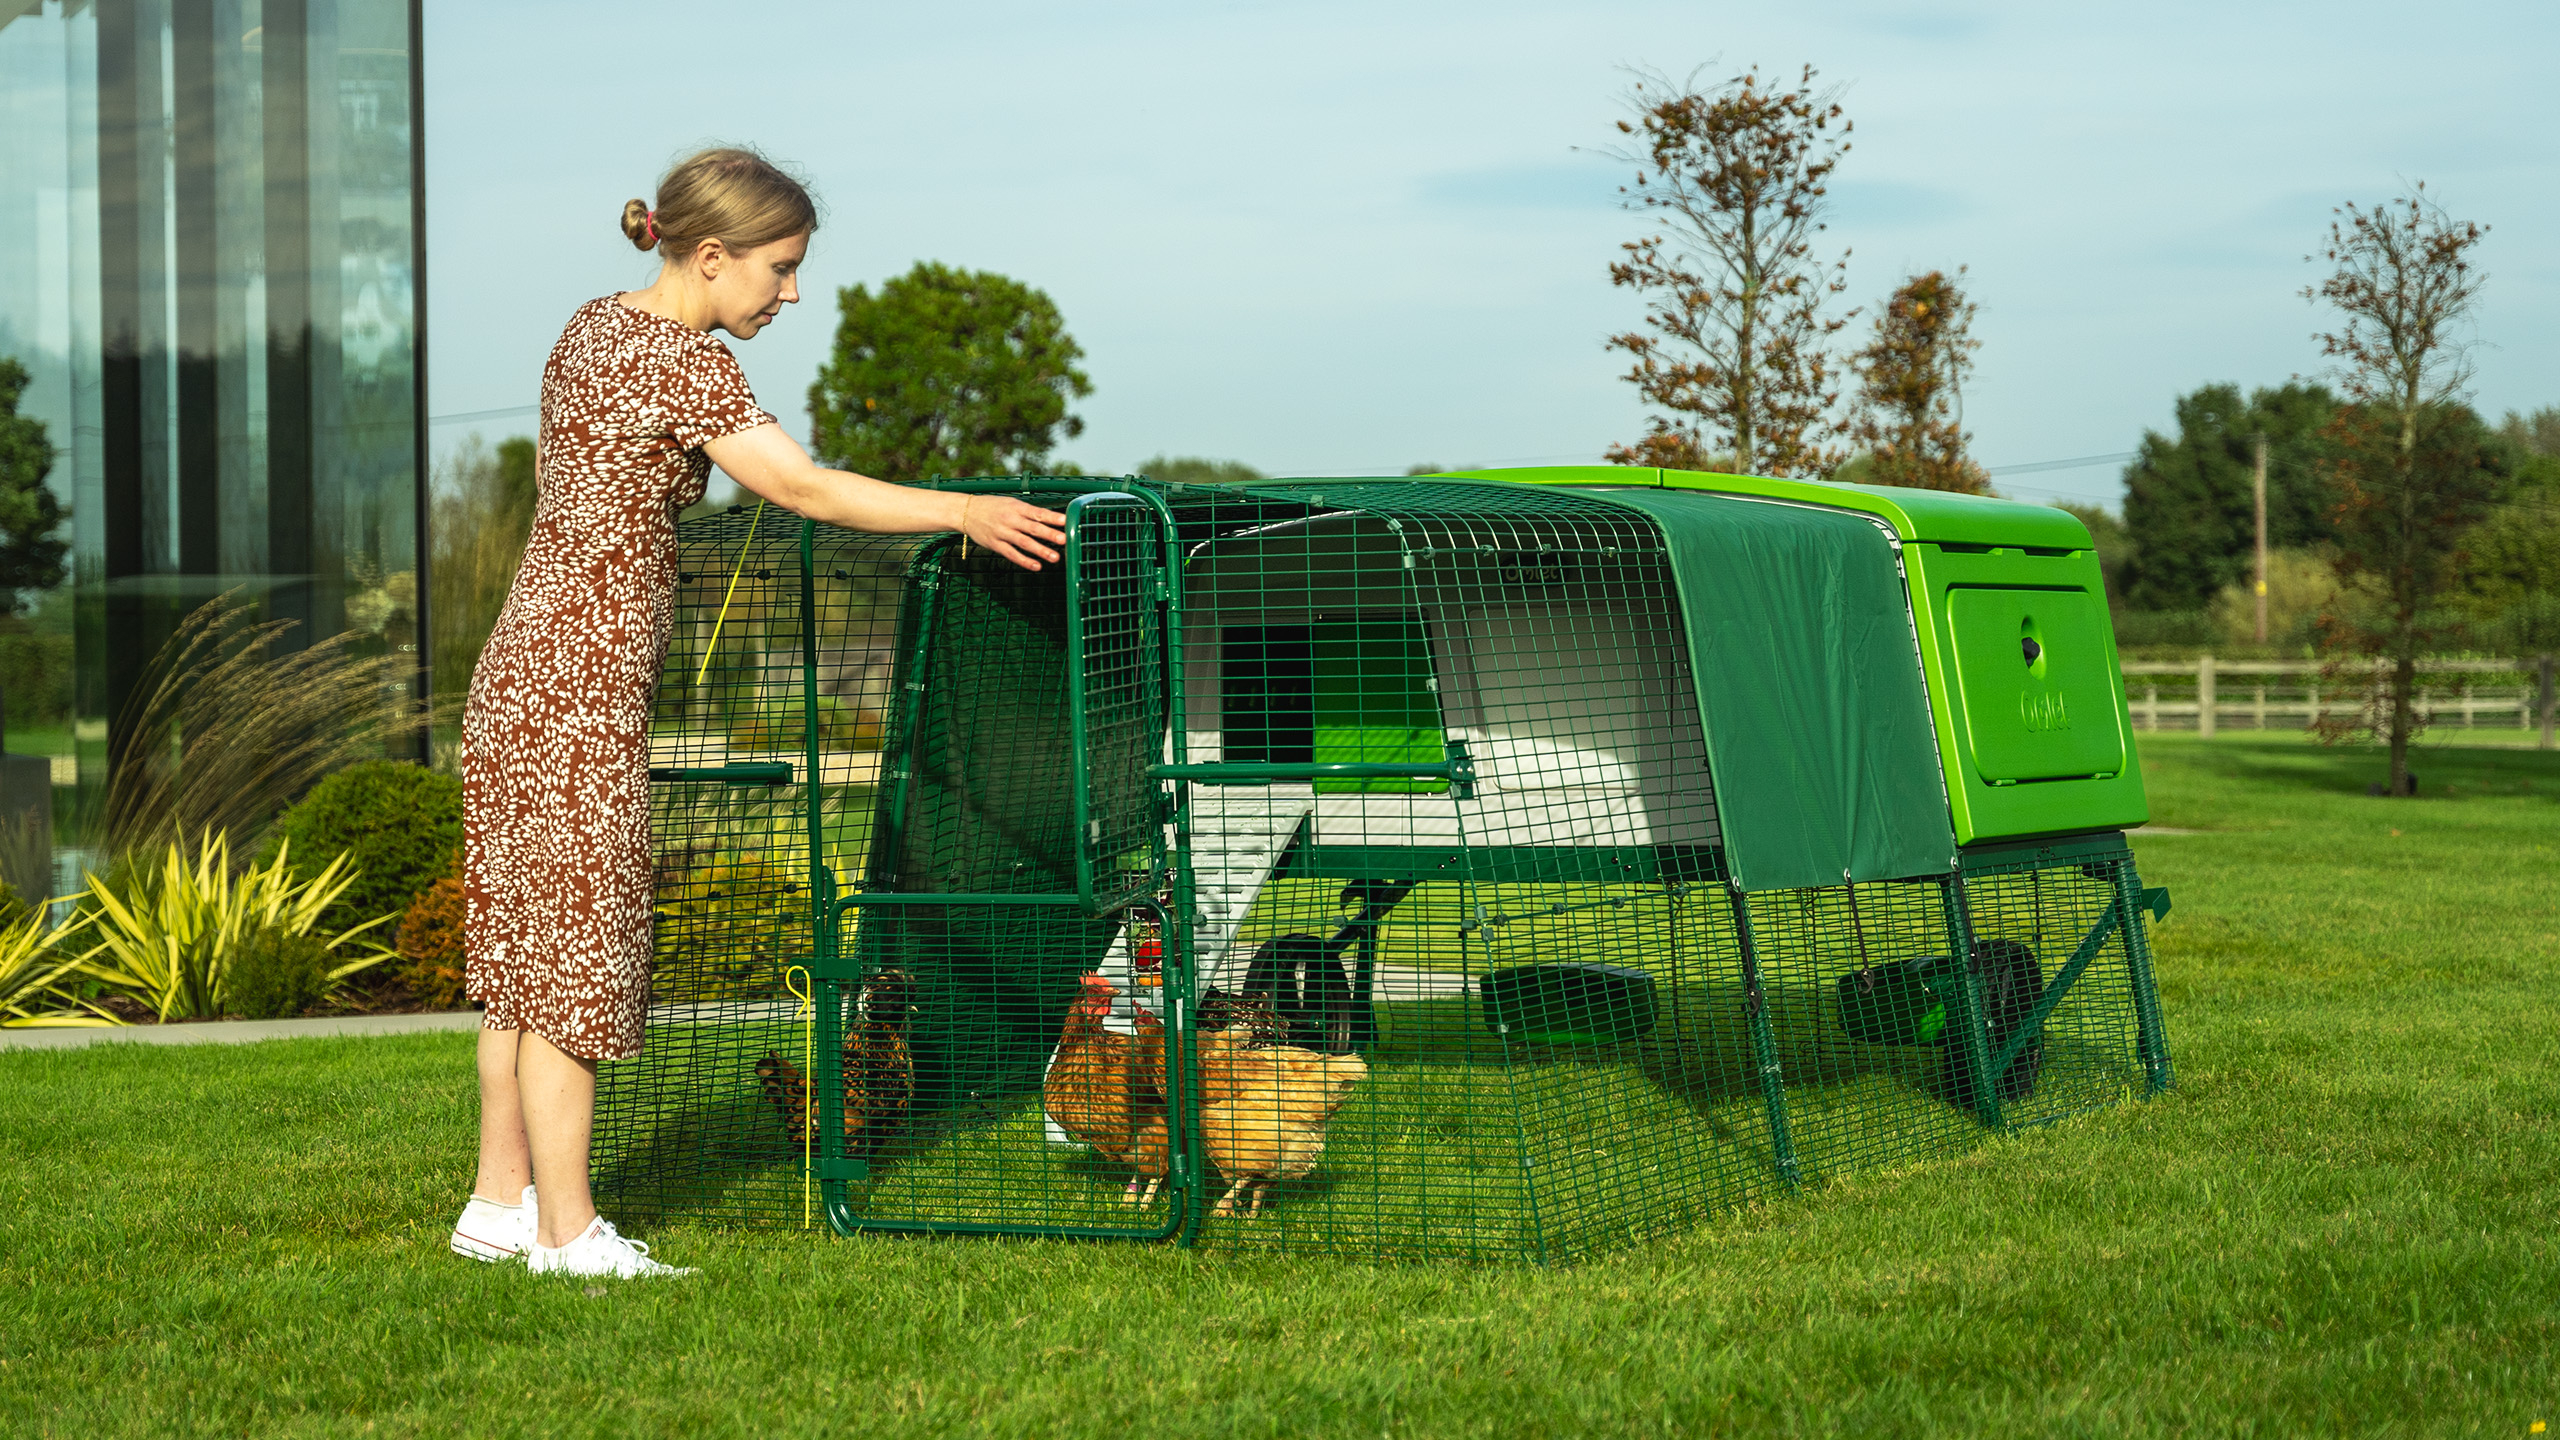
(1660,841)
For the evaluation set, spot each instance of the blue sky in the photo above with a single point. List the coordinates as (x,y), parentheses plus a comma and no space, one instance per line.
(1346,238)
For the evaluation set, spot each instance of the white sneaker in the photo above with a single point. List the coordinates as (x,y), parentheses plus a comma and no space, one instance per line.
(598,1251)
(494,1232)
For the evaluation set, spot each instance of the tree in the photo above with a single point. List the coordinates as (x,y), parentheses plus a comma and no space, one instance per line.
(2187,498)
(2508,584)
(2414,469)
(946,372)
(1735,343)
(1911,388)
(2537,434)
(1199,470)
(483,511)
(30,554)
(2111,538)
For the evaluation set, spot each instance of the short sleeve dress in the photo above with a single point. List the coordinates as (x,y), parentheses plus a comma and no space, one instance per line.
(555,733)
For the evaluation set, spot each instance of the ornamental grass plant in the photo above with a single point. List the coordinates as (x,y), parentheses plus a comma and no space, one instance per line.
(168,935)
(36,958)
(226,727)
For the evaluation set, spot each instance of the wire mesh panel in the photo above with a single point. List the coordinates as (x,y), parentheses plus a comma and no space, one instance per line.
(1117,699)
(984,991)
(1860,1092)
(1446,959)
(1515,952)
(756,720)
(2065,966)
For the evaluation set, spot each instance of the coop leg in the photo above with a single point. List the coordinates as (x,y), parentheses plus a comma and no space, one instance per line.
(1973,1040)
(2150,1038)
(1764,1046)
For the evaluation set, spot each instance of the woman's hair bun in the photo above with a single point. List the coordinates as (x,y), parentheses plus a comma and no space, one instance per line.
(729,193)
(635,224)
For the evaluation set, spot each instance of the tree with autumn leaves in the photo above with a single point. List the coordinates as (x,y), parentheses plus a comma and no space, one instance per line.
(2411,468)
(1735,347)
(1911,389)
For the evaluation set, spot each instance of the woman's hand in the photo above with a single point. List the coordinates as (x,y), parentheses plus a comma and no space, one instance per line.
(1024,534)
(774,466)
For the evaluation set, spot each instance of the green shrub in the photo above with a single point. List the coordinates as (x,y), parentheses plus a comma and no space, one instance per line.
(35,673)
(2139,629)
(728,931)
(277,974)
(398,824)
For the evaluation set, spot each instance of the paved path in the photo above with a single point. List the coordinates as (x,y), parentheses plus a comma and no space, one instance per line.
(1393,982)
(236,1032)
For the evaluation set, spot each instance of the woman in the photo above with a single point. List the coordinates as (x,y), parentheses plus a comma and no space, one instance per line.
(638,402)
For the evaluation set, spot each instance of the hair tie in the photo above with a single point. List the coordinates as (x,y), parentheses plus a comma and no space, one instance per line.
(653,227)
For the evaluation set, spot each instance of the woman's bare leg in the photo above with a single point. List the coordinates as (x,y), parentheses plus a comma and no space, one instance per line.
(558,1091)
(506,1166)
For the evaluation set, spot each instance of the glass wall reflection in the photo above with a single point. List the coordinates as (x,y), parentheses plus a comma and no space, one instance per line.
(220,330)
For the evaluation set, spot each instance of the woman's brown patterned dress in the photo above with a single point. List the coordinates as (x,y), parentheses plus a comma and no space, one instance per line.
(555,736)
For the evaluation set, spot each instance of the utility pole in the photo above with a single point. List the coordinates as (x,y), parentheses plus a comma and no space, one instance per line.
(2258,487)
(2550,701)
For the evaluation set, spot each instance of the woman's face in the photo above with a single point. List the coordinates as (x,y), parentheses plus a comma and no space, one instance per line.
(750,287)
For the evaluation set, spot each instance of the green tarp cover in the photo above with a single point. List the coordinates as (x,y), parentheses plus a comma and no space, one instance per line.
(1819,740)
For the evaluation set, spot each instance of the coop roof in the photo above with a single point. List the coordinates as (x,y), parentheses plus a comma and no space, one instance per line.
(1819,737)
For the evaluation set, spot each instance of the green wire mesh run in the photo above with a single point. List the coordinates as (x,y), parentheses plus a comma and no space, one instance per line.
(684,1127)
(1331,869)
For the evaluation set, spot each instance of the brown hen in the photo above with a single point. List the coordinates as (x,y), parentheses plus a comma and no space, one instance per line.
(879,1070)
(1264,1111)
(1093,1090)
(1255,1141)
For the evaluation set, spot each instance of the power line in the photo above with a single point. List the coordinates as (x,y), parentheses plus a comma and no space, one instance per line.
(461,416)
(2080,463)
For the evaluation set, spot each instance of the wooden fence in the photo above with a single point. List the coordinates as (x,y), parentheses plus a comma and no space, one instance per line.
(2207,695)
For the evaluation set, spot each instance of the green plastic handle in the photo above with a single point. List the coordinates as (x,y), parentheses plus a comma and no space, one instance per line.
(763,772)
(1219,774)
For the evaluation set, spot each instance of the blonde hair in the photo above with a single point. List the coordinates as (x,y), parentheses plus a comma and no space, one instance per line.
(730,194)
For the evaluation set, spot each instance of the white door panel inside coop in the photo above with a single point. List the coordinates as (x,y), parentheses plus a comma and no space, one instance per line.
(1588,698)
(1579,715)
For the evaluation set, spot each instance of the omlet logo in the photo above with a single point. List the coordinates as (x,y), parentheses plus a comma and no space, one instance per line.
(2044,711)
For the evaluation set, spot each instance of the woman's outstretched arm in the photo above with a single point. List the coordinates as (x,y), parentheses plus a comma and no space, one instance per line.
(773,465)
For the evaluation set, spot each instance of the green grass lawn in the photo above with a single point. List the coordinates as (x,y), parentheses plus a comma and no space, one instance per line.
(2342,1220)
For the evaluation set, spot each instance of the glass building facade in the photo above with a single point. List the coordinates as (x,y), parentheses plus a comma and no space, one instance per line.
(220,306)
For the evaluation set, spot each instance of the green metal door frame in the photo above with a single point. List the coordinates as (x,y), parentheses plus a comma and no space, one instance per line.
(836,1173)
(1155,630)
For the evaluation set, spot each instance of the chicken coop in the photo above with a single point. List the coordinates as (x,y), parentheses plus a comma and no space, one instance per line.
(1491,865)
